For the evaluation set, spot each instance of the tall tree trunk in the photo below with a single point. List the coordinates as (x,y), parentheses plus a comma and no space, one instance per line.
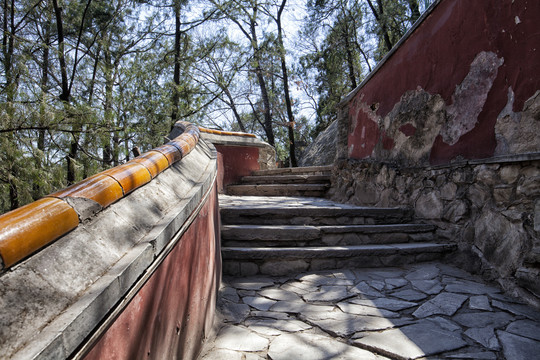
(107,110)
(379,16)
(415,10)
(65,96)
(350,59)
(288,105)
(8,45)
(268,128)
(176,75)
(37,192)
(232,105)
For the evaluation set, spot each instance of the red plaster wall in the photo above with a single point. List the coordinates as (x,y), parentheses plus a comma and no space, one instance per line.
(235,162)
(173,311)
(437,57)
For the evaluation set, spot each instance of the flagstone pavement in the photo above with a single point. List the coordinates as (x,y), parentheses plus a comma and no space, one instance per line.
(423,311)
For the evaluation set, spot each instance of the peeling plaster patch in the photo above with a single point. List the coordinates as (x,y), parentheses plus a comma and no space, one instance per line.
(412,126)
(407,129)
(470,96)
(517,132)
(366,129)
(517,20)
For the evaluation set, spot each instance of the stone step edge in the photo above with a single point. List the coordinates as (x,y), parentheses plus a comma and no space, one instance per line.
(280,179)
(310,232)
(242,253)
(314,211)
(295,187)
(296,170)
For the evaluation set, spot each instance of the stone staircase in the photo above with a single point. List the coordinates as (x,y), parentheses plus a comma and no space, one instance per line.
(304,181)
(279,235)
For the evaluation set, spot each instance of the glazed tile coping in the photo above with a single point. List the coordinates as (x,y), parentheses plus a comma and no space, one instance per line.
(29,228)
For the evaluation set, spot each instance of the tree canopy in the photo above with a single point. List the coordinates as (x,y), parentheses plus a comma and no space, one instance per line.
(83,83)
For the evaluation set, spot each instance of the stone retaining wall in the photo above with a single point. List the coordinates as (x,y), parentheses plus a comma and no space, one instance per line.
(491,208)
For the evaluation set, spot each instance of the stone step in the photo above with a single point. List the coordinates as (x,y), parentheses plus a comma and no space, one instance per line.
(281,261)
(314,170)
(295,235)
(286,179)
(312,215)
(315,190)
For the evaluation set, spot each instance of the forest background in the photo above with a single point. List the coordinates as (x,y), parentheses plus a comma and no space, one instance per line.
(85,84)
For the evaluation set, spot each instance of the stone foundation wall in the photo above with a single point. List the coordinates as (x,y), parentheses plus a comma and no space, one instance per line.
(490,208)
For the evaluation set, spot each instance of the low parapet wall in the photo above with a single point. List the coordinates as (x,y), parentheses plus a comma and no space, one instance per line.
(239,155)
(149,258)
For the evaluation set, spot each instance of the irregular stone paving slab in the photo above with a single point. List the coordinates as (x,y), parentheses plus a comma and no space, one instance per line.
(328,293)
(426,272)
(220,354)
(455,272)
(243,293)
(525,328)
(343,274)
(229,293)
(506,299)
(326,280)
(357,309)
(412,341)
(474,355)
(385,303)
(480,303)
(271,315)
(239,339)
(442,304)
(252,283)
(409,295)
(469,287)
(364,289)
(298,287)
(234,313)
(395,283)
(484,336)
(344,325)
(377,284)
(517,347)
(431,287)
(487,324)
(444,323)
(280,294)
(258,302)
(310,347)
(297,307)
(281,325)
(517,309)
(380,274)
(483,319)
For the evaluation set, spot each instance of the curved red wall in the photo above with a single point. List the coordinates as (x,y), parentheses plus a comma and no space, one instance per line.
(171,314)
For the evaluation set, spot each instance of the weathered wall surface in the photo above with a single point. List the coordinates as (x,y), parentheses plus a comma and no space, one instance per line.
(448,124)
(488,208)
(463,85)
(173,312)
